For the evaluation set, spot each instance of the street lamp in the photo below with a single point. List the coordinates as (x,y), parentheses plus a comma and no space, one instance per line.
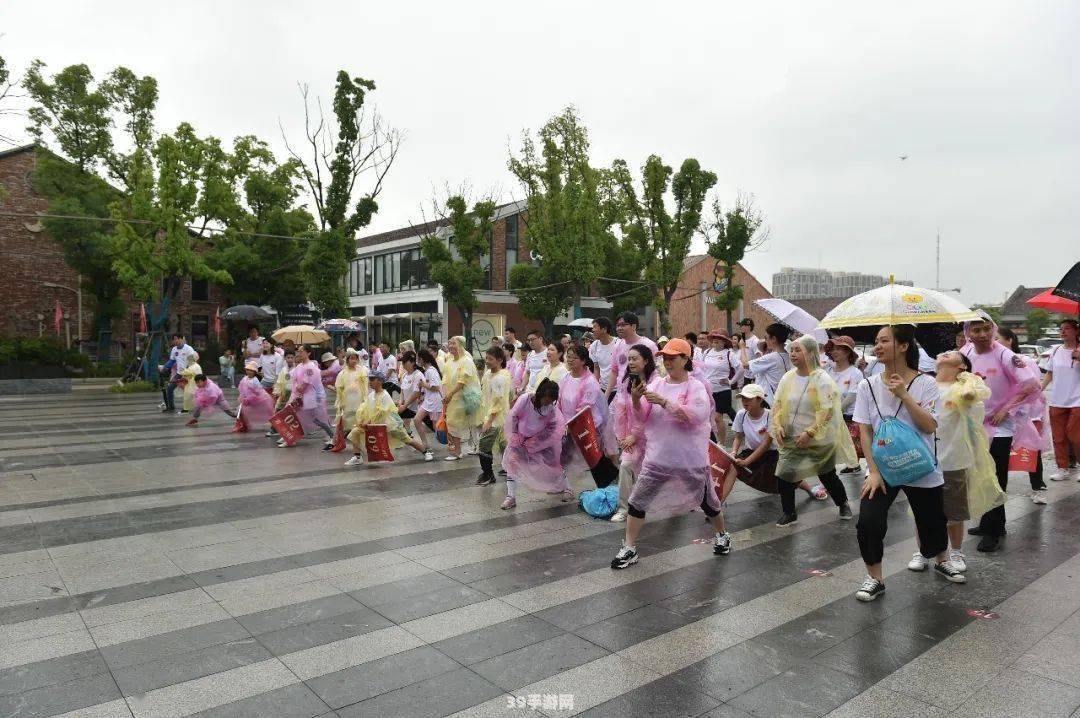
(76,292)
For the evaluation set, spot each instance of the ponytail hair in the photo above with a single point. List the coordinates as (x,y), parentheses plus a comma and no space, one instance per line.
(426,357)
(545,389)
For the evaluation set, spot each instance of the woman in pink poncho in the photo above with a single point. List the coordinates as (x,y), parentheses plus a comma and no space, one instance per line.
(309,396)
(256,406)
(627,425)
(208,397)
(534,431)
(677,412)
(580,390)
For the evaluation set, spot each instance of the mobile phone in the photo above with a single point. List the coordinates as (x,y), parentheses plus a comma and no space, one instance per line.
(634,380)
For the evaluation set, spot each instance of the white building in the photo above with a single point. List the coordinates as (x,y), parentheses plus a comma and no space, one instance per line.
(803,283)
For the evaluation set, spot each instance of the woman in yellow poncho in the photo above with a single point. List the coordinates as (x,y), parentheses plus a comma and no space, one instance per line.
(496,388)
(808,427)
(193,370)
(351,387)
(461,397)
(378,408)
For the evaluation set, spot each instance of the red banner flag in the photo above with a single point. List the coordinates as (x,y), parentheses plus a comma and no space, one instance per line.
(720,462)
(217,323)
(339,437)
(583,432)
(142,318)
(58,317)
(377,443)
(287,425)
(1021,458)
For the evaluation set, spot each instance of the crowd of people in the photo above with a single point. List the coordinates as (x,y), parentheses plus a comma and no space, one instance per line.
(943,432)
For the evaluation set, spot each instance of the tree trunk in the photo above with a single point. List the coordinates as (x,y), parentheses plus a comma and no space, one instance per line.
(466,325)
(549,328)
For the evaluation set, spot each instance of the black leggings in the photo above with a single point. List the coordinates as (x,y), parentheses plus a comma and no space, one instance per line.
(993,521)
(830,481)
(929,509)
(709,510)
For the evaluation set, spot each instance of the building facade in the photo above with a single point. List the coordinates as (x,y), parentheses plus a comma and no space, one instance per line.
(692,309)
(802,283)
(39,276)
(391,292)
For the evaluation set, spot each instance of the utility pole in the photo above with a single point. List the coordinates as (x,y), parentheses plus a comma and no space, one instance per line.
(937,263)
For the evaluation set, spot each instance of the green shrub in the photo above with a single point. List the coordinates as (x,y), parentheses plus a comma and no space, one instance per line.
(132,387)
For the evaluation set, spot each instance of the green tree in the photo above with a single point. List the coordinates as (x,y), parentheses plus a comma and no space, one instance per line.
(455,261)
(663,237)
(567,226)
(356,145)
(255,248)
(729,235)
(73,109)
(1036,322)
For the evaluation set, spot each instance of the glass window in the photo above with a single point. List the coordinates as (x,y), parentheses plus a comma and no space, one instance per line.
(369,283)
(395,271)
(200,328)
(200,290)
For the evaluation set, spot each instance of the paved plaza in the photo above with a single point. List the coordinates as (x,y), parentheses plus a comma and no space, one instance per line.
(151,570)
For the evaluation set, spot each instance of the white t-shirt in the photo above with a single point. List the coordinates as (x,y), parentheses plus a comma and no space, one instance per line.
(924,390)
(182,355)
(271,363)
(716,365)
(753,430)
(253,347)
(601,355)
(768,370)
(848,383)
(432,402)
(535,363)
(1065,385)
(409,384)
(388,366)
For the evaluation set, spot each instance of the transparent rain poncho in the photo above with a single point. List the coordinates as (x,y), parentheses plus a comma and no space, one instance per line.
(534,444)
(575,394)
(814,406)
(461,413)
(962,441)
(307,384)
(256,406)
(378,408)
(351,388)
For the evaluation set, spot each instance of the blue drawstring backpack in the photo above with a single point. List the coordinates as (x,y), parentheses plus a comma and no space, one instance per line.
(601,503)
(899,451)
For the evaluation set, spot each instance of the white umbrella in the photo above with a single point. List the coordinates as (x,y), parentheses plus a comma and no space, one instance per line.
(795,317)
(897,304)
(583,322)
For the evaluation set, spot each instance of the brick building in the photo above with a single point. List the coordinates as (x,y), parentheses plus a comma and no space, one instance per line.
(389,287)
(692,309)
(38,275)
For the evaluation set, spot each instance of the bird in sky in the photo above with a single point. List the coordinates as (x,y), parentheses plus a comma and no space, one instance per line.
(903,157)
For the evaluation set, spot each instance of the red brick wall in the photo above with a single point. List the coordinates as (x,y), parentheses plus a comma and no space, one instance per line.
(686,305)
(31,258)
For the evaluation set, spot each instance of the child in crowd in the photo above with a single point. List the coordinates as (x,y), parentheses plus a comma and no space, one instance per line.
(208,396)
(227,362)
(379,408)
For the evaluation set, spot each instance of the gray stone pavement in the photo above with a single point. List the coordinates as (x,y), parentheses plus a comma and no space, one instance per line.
(148,569)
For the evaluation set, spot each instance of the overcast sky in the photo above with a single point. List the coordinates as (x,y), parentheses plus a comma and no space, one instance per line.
(806,105)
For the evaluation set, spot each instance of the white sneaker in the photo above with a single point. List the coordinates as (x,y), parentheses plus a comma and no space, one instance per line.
(918,562)
(355,461)
(956,558)
(452,458)
(819,492)
(428,456)
(618,517)
(1060,475)
(1039,497)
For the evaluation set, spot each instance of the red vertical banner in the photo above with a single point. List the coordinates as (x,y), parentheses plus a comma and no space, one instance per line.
(377,443)
(287,425)
(58,317)
(217,323)
(583,432)
(339,437)
(142,317)
(720,462)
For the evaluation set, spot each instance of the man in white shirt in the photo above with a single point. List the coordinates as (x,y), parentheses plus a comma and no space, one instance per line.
(535,361)
(179,357)
(253,345)
(769,368)
(602,352)
(271,362)
(753,344)
(1063,378)
(626,325)
(511,338)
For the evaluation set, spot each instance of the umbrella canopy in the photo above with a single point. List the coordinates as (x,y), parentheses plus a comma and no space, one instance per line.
(339,326)
(795,317)
(1069,286)
(301,334)
(1053,303)
(897,304)
(583,323)
(245,313)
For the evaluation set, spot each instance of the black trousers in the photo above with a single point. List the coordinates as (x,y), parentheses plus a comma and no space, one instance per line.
(926,504)
(993,521)
(1036,476)
(830,481)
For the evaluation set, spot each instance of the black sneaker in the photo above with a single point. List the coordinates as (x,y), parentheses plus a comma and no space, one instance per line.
(721,544)
(625,558)
(328,445)
(946,570)
(845,512)
(870,589)
(502,472)
(485,480)
(788,520)
(975,531)
(988,543)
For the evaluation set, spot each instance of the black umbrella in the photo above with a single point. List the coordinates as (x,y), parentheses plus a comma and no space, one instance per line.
(245,313)
(934,338)
(1069,286)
